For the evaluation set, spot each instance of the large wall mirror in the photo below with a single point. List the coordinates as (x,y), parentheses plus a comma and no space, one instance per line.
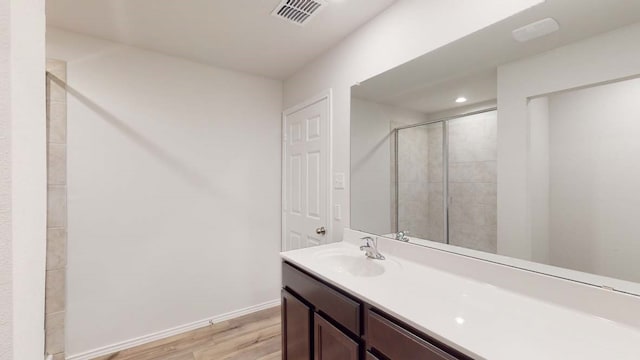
(519,144)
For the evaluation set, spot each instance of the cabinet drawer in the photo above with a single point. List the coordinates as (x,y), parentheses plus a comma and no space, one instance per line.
(326,300)
(370,356)
(397,343)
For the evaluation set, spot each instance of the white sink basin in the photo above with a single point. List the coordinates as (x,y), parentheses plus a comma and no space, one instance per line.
(353,263)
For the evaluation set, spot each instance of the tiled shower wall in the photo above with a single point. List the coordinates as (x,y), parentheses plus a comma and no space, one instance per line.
(473,200)
(435,201)
(413,177)
(55,292)
(420,176)
(472,182)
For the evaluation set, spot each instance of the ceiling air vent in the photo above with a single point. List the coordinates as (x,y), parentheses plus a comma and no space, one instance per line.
(298,11)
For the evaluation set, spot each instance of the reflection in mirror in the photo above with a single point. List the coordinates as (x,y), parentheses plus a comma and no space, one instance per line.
(528,150)
(419,204)
(466,176)
(585,174)
(472,181)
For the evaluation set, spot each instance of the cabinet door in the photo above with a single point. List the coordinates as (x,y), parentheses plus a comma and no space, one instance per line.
(331,343)
(296,328)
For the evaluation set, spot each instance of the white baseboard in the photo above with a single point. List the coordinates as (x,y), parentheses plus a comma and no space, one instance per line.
(110,349)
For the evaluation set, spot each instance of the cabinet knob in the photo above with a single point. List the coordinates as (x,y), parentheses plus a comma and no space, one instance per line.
(321,231)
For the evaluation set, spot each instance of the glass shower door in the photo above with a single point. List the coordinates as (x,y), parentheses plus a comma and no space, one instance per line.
(420,182)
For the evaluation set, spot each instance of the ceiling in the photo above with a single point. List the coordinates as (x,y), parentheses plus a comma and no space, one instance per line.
(467,67)
(234,34)
(480,87)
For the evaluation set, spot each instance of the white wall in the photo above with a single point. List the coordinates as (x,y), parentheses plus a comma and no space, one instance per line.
(174,191)
(6,271)
(404,31)
(614,55)
(539,177)
(22,179)
(594,177)
(371,162)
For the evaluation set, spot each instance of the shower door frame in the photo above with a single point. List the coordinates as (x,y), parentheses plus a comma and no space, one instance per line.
(445,164)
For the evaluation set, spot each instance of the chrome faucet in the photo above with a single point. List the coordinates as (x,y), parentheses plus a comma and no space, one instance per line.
(402,236)
(370,248)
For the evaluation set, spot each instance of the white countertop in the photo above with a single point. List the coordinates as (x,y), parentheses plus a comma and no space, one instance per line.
(479,319)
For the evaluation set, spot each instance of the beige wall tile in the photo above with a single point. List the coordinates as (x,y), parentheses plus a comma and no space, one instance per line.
(57,68)
(56,248)
(464,213)
(57,122)
(57,207)
(481,193)
(413,174)
(473,138)
(54,327)
(472,182)
(473,172)
(55,291)
(55,89)
(55,295)
(491,215)
(6,277)
(474,237)
(57,164)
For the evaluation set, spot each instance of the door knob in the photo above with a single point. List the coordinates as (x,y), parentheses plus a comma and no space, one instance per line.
(321,230)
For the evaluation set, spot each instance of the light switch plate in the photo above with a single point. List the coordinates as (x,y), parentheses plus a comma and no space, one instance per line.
(337,212)
(338,181)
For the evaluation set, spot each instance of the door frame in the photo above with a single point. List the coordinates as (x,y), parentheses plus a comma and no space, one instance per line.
(325,95)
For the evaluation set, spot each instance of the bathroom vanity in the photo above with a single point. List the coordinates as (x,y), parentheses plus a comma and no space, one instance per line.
(325,323)
(422,303)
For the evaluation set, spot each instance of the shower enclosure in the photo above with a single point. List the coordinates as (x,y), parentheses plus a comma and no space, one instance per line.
(444,180)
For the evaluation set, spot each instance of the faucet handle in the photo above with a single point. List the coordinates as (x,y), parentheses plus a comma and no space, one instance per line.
(371,248)
(402,235)
(368,241)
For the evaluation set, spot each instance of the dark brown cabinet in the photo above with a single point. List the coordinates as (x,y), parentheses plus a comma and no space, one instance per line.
(296,328)
(394,342)
(331,344)
(370,356)
(336,305)
(318,321)
(321,322)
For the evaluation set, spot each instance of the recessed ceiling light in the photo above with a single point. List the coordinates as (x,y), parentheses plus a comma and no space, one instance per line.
(461,100)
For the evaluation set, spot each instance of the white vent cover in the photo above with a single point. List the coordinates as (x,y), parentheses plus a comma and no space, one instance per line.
(535,30)
(298,11)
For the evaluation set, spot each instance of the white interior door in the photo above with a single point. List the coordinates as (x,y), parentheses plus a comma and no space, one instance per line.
(305,176)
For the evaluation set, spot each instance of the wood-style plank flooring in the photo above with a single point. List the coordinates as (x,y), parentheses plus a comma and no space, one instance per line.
(252,337)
